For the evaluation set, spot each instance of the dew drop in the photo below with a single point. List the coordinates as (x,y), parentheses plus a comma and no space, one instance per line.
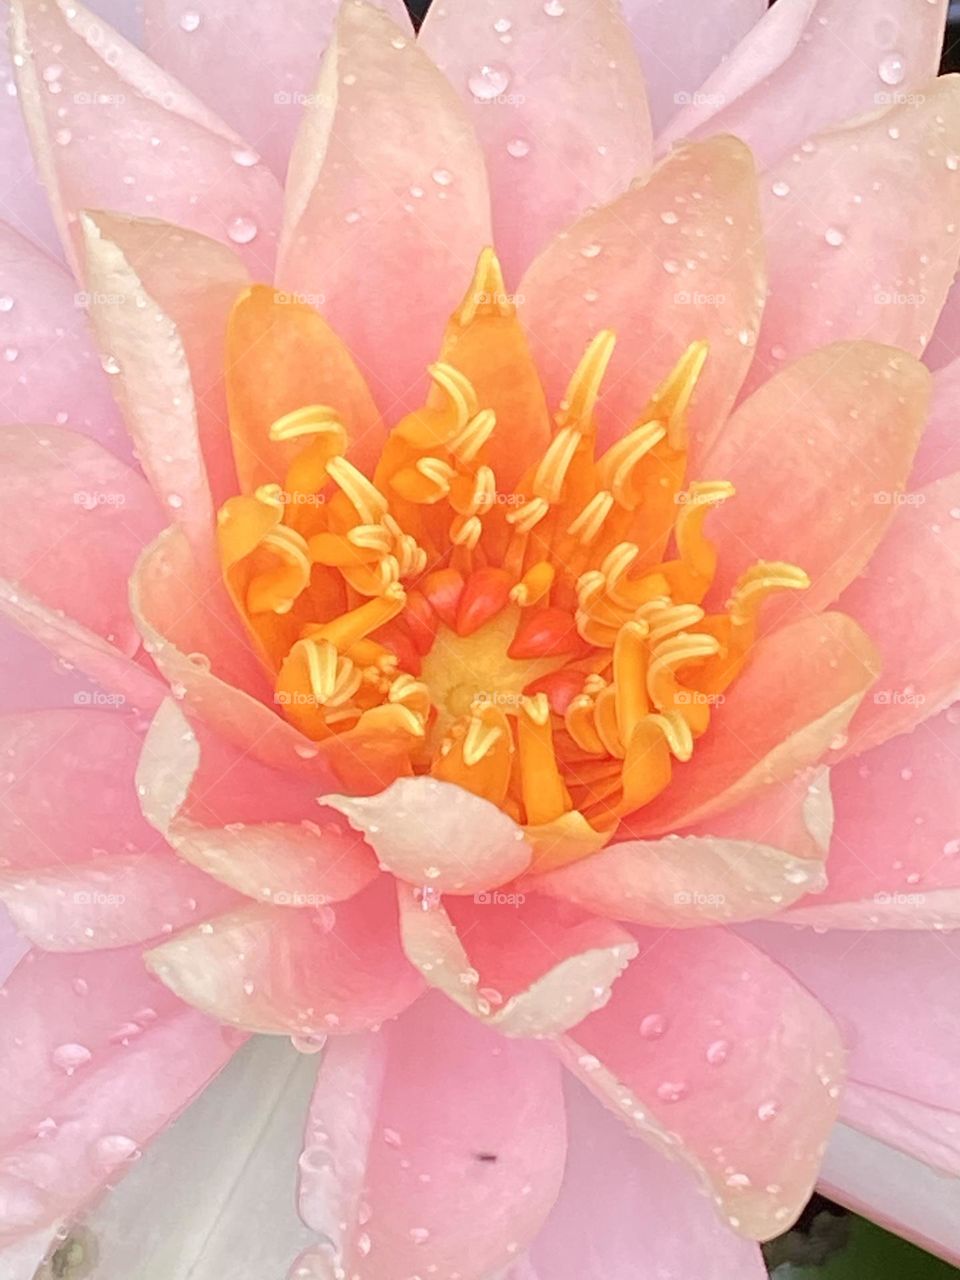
(68,1057)
(189,20)
(892,69)
(671,1091)
(781,188)
(669,217)
(6,302)
(442,177)
(502,25)
(63,137)
(245,157)
(718,1052)
(115,1148)
(953,162)
(10,354)
(653,1026)
(518,148)
(554,9)
(767,1111)
(591,251)
(488,82)
(419,1235)
(242,230)
(834,237)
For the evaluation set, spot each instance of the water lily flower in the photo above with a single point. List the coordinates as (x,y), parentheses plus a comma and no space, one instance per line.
(491,498)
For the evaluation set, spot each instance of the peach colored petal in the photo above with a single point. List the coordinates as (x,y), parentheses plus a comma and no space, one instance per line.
(79,649)
(96,133)
(514,64)
(95,1058)
(797,693)
(25,203)
(255,64)
(435,833)
(911,579)
(436,1146)
(836,433)
(621,1202)
(195,282)
(281,355)
(196,639)
(51,372)
(74,521)
(860,258)
(296,972)
(719,1058)
(523,964)
(387,203)
(939,452)
(895,855)
(670,262)
(211,801)
(114,901)
(795,74)
(144,353)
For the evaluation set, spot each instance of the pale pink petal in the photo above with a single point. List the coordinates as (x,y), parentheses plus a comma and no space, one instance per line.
(669,263)
(434,833)
(195,281)
(50,370)
(74,521)
(906,1196)
(813,63)
(796,695)
(719,1058)
(911,578)
(296,972)
(436,1147)
(894,994)
(524,964)
(119,133)
(944,346)
(255,64)
(622,1204)
(515,63)
(76,648)
(930,1134)
(871,256)
(836,433)
(939,452)
(23,201)
(680,42)
(254,828)
(895,854)
(114,901)
(12,946)
(95,1058)
(387,202)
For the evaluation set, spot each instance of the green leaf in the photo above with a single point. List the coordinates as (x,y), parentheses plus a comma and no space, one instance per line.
(872,1254)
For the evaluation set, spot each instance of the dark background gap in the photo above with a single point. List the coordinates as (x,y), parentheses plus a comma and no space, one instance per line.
(951,52)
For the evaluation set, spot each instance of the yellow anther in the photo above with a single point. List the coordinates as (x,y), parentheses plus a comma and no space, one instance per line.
(313,419)
(525,519)
(465,531)
(487,293)
(591,519)
(275,590)
(550,475)
(578,720)
(468,442)
(479,741)
(672,398)
(371,537)
(761,581)
(677,733)
(271,495)
(365,498)
(579,403)
(619,464)
(459,390)
(668,621)
(534,585)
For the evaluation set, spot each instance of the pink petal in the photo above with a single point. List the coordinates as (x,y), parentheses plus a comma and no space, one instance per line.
(387,203)
(930,1134)
(525,965)
(75,519)
(114,901)
(435,833)
(895,996)
(679,44)
(254,828)
(13,947)
(25,203)
(895,854)
(659,285)
(621,1203)
(904,1195)
(195,637)
(95,1058)
(845,265)
(79,649)
(514,64)
(909,580)
(96,133)
(835,432)
(195,282)
(296,972)
(256,64)
(716,1056)
(797,693)
(50,371)
(939,452)
(437,1146)
(794,75)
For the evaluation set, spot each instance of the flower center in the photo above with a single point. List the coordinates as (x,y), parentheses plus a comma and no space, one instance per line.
(543,646)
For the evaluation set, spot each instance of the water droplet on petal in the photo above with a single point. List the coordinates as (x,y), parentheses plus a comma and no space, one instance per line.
(242,230)
(718,1052)
(6,302)
(669,217)
(245,157)
(68,1057)
(781,188)
(502,24)
(554,9)
(892,69)
(671,1091)
(115,1148)
(442,177)
(419,1235)
(653,1026)
(834,237)
(189,20)
(488,82)
(518,148)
